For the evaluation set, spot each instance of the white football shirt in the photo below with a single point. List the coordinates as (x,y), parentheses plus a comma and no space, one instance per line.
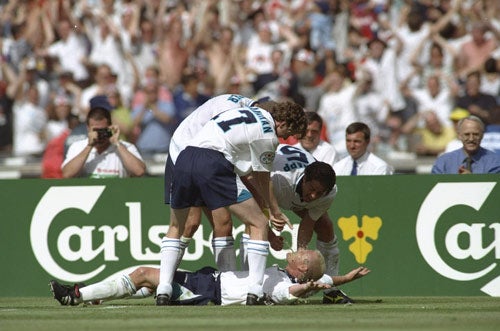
(246,136)
(192,124)
(288,170)
(234,286)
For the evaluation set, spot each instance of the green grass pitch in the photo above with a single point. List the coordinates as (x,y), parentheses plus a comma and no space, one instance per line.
(392,313)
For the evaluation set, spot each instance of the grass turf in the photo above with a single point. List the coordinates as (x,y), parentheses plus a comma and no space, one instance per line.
(393,313)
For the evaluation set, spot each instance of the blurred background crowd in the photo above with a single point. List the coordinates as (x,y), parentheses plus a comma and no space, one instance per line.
(409,69)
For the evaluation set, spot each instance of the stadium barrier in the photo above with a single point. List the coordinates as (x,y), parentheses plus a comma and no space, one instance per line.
(422,235)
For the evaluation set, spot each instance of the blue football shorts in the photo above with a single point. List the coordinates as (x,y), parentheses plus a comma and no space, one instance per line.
(204,177)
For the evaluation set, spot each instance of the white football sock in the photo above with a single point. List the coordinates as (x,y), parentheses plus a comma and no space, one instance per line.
(183,245)
(224,253)
(169,253)
(257,256)
(141,293)
(117,288)
(330,251)
(244,251)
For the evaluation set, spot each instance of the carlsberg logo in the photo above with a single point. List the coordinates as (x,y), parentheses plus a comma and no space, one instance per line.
(83,198)
(442,197)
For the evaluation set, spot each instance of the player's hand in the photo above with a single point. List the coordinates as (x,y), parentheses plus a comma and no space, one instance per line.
(279,220)
(358,273)
(315,286)
(276,242)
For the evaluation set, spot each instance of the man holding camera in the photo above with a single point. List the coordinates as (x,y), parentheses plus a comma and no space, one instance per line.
(102,155)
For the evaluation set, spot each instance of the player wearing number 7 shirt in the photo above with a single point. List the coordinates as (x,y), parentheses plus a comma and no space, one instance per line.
(238,142)
(222,244)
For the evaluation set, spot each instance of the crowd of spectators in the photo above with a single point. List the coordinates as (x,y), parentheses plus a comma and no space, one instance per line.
(400,66)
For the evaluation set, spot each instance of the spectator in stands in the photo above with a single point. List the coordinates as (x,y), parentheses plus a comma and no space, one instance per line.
(477,103)
(360,161)
(474,53)
(29,124)
(121,115)
(103,154)
(471,158)
(312,142)
(337,109)
(372,108)
(491,138)
(53,156)
(102,80)
(58,114)
(427,135)
(155,119)
(186,97)
(69,50)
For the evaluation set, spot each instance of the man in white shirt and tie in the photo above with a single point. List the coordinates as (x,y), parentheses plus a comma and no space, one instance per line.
(360,161)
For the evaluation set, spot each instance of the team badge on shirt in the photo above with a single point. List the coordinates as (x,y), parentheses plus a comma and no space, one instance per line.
(267,157)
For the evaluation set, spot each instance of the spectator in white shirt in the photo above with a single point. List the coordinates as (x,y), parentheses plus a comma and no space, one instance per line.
(360,161)
(312,142)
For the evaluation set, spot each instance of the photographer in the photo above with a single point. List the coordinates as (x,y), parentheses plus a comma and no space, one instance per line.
(102,155)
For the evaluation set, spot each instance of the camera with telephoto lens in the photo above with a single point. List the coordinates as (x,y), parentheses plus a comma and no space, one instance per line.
(103,133)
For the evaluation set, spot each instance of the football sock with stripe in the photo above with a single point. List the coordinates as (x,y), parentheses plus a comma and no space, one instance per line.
(224,253)
(169,253)
(257,257)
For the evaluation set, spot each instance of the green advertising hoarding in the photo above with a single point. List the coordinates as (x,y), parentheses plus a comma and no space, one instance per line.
(420,234)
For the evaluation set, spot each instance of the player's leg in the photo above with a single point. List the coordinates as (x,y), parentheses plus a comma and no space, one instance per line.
(169,254)
(223,241)
(327,245)
(193,222)
(120,287)
(251,215)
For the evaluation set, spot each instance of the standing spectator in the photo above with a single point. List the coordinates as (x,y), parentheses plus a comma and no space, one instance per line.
(155,118)
(6,105)
(70,51)
(58,115)
(312,142)
(29,125)
(102,155)
(476,102)
(381,64)
(471,158)
(145,47)
(491,138)
(371,106)
(186,97)
(360,161)
(474,53)
(53,155)
(336,109)
(435,97)
(102,80)
(427,134)
(321,23)
(121,115)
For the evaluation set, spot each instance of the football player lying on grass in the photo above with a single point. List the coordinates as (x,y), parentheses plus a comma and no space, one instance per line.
(303,276)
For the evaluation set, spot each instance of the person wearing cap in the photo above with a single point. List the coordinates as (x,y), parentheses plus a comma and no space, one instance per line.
(102,154)
(471,158)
